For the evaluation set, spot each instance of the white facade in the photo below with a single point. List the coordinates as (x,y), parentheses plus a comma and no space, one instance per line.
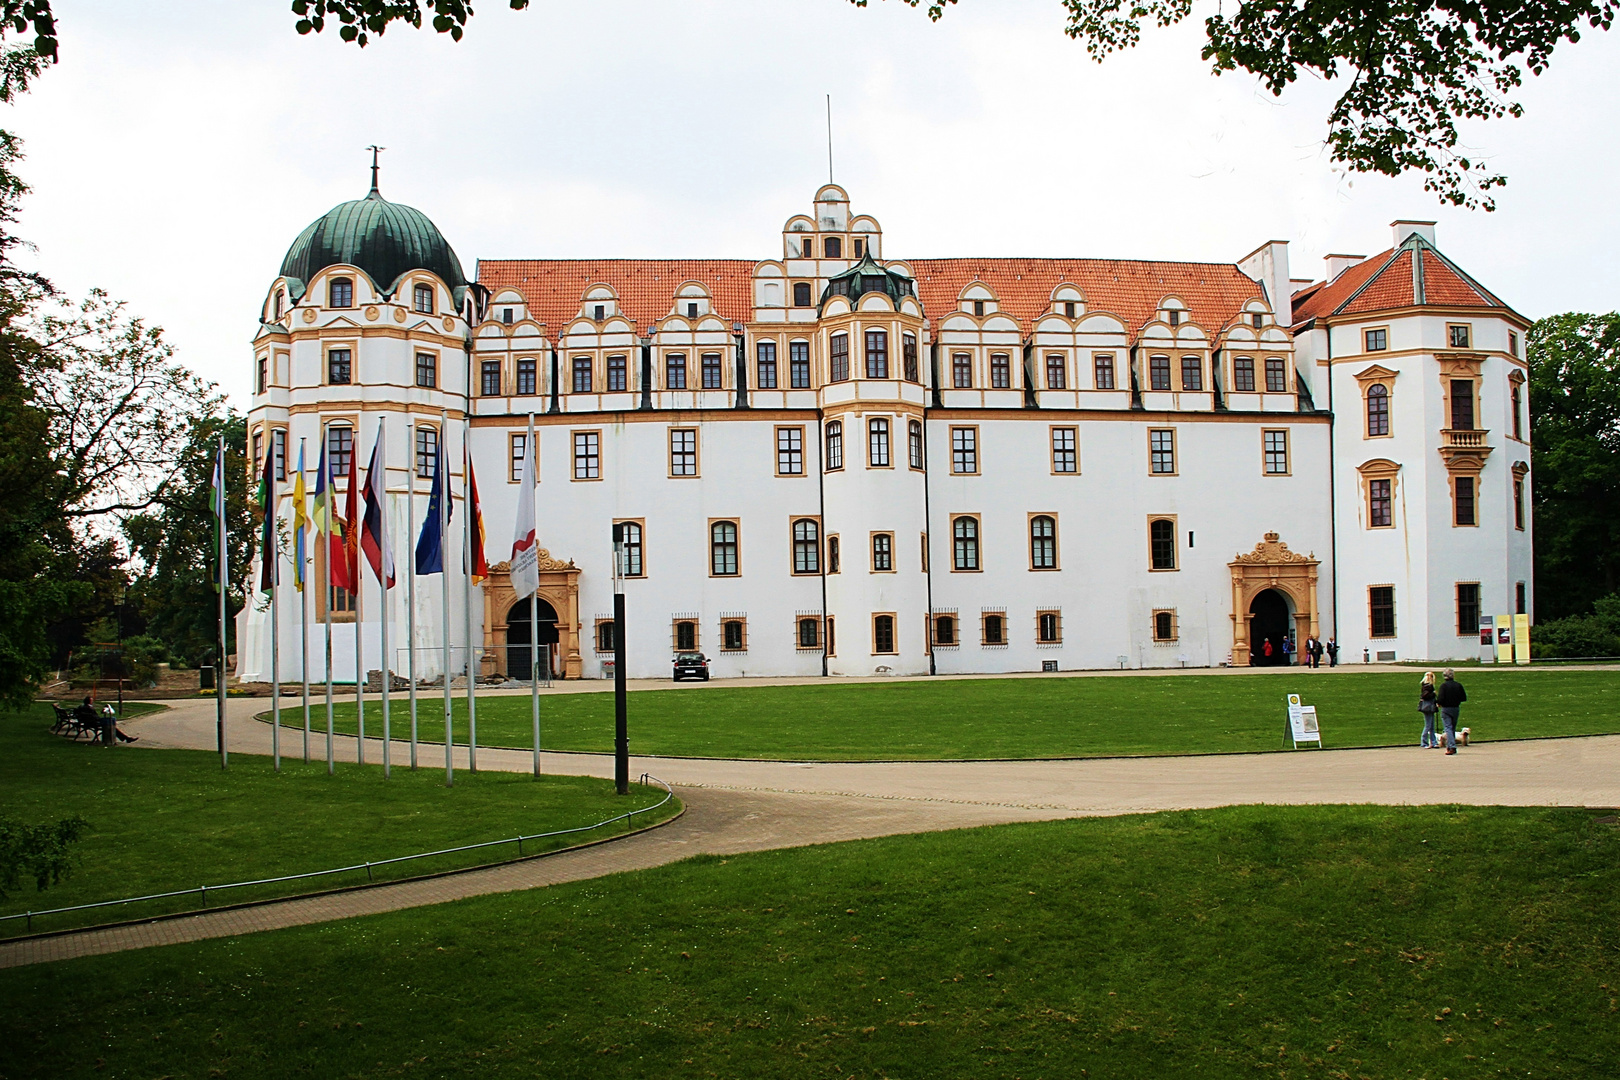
(945,465)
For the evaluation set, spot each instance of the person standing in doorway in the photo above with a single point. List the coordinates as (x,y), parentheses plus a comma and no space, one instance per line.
(1266,649)
(1332,652)
(1450,697)
(1288,650)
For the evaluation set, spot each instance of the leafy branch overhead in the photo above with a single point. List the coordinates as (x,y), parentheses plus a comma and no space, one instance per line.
(359,19)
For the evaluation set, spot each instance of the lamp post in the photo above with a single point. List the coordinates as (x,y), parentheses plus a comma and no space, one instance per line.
(621,736)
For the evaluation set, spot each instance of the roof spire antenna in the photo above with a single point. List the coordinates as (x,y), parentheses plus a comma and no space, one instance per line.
(375,150)
(829,139)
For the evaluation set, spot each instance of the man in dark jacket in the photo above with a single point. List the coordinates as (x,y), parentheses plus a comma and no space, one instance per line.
(1450,697)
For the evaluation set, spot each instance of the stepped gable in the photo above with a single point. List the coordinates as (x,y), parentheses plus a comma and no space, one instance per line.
(553,288)
(1413,274)
(1132,289)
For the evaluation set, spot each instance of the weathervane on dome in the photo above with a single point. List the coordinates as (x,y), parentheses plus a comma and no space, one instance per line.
(375,150)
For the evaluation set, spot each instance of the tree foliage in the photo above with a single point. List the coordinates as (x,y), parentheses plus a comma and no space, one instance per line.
(1575,462)
(41,852)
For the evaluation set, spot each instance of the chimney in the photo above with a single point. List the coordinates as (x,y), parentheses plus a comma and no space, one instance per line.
(1338,264)
(1403,229)
(1268,264)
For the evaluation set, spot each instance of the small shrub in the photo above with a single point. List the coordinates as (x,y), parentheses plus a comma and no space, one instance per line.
(42,852)
(1596,634)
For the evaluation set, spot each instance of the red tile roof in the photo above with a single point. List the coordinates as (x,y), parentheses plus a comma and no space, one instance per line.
(1389,284)
(1214,292)
(1391,288)
(1443,285)
(554,288)
(1324,297)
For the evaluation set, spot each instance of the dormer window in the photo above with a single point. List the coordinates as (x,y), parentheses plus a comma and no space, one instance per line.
(281,298)
(599,312)
(1174,317)
(978,308)
(1258,320)
(859,246)
(691,309)
(340,293)
(1068,309)
(423,297)
(833,247)
(506,316)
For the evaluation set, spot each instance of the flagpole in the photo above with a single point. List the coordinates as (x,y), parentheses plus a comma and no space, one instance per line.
(224,585)
(326,583)
(410,571)
(273,554)
(299,544)
(387,565)
(358,580)
(444,579)
(469,558)
(534,605)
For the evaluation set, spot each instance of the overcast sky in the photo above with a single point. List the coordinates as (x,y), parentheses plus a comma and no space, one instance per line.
(178,148)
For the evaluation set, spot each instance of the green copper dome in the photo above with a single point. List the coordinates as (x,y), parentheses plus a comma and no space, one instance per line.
(382,238)
(867,276)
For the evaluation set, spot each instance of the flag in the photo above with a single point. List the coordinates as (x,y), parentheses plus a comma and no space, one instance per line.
(328,523)
(430,545)
(480,564)
(300,523)
(525,563)
(216,505)
(351,529)
(372,539)
(268,563)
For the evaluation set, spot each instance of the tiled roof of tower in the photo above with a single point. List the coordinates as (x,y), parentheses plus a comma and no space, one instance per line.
(1443,285)
(1391,288)
(1389,284)
(553,288)
(1324,297)
(1214,292)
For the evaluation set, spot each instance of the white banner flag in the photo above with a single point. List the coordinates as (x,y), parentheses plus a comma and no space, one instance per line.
(525,551)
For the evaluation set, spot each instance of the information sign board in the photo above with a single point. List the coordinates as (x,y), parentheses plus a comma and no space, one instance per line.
(1302,723)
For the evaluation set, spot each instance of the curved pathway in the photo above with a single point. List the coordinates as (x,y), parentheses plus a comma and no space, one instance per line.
(738,806)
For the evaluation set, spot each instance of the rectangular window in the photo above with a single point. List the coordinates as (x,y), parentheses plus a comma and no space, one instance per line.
(1000,371)
(832,636)
(427,369)
(1464,501)
(674,371)
(264,373)
(1513,342)
(1103,366)
(877,442)
(1519,598)
(278,451)
(723,548)
(807,632)
(1159,372)
(683,458)
(908,349)
(427,451)
(339,448)
(1065,458)
(1048,627)
(877,354)
(1056,371)
(992,628)
(631,548)
(1381,611)
(914,441)
(618,373)
(806,546)
(1162,451)
(799,365)
(734,635)
(340,600)
(1377,340)
(1192,373)
(1516,399)
(1377,410)
(1467,608)
(1276,375)
(1462,404)
(765,365)
(964,450)
(962,370)
(1162,544)
(944,629)
(587,455)
(1275,444)
(515,458)
(1243,373)
(686,635)
(527,383)
(882,552)
(835,445)
(339,369)
(1457,336)
(711,371)
(604,635)
(1518,504)
(840,357)
(1164,625)
(423,299)
(832,553)
(965,543)
(1380,505)
(1043,542)
(790,451)
(490,373)
(582,374)
(883,634)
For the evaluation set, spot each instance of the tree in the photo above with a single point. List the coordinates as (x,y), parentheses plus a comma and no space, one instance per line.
(41,852)
(1575,462)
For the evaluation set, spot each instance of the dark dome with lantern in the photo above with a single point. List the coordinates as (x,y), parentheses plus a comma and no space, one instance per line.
(384,239)
(865,277)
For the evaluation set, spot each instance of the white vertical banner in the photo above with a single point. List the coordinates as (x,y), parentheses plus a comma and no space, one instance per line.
(525,550)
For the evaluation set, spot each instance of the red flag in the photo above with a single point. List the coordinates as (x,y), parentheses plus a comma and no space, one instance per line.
(480,564)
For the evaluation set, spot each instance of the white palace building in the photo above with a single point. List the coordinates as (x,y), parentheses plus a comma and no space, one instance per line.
(834,460)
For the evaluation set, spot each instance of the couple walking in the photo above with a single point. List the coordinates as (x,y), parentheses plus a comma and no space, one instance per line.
(1446,700)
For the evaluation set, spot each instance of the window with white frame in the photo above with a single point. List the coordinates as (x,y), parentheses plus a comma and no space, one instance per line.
(1274,445)
(964,450)
(790,451)
(1065,450)
(877,442)
(587,455)
(723,549)
(914,441)
(835,445)
(683,453)
(965,543)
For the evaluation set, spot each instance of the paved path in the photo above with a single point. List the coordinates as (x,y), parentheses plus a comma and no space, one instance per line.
(737,806)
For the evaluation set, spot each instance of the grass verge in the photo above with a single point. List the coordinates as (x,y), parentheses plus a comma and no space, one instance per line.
(172,819)
(1285,942)
(1026,718)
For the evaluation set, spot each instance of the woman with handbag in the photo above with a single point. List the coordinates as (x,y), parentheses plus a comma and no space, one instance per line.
(1428,705)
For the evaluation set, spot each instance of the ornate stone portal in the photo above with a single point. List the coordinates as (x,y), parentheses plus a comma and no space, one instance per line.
(559,587)
(1271,566)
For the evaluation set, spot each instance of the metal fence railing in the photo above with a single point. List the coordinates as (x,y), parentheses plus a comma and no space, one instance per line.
(204,890)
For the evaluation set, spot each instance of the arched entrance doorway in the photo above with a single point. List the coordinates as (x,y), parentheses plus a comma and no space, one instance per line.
(1268,621)
(520,663)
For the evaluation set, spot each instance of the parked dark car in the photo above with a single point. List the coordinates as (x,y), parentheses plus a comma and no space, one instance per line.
(694,664)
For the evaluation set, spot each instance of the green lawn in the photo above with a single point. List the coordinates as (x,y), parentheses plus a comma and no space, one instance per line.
(1027,718)
(1323,942)
(171,819)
